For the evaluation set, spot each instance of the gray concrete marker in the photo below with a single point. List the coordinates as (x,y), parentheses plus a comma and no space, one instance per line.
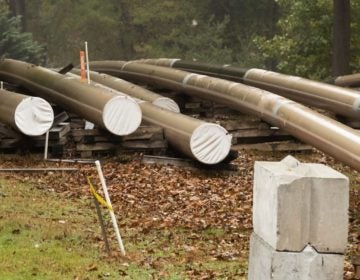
(266,263)
(296,204)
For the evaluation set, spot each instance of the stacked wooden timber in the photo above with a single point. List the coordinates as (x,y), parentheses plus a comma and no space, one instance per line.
(68,136)
(248,132)
(9,139)
(148,139)
(58,139)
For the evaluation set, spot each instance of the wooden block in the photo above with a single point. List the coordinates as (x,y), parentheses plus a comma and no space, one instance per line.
(56,133)
(83,132)
(57,149)
(157,144)
(95,147)
(253,133)
(9,133)
(145,132)
(9,143)
(233,125)
(274,146)
(41,142)
(86,154)
(60,131)
(59,118)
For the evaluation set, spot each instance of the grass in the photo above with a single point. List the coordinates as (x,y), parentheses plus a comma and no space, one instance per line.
(44,235)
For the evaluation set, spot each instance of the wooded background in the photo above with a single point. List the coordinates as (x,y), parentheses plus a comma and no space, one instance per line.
(317,39)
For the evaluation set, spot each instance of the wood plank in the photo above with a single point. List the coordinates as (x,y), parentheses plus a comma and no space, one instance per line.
(59,118)
(254,133)
(83,132)
(9,143)
(56,133)
(157,144)
(233,125)
(274,146)
(41,142)
(142,133)
(145,132)
(95,147)
(60,131)
(10,133)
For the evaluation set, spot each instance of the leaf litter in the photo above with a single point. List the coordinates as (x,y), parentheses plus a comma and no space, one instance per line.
(185,217)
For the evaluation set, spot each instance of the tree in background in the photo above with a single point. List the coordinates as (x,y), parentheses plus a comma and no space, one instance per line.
(247,20)
(183,29)
(17,44)
(63,27)
(206,30)
(341,38)
(304,44)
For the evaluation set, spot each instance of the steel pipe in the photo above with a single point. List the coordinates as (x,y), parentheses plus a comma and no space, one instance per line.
(339,100)
(352,80)
(224,71)
(118,114)
(206,142)
(133,90)
(32,116)
(326,134)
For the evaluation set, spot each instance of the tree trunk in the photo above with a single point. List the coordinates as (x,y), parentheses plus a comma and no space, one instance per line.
(341,38)
(17,8)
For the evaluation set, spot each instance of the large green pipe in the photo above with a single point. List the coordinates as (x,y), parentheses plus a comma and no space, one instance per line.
(118,114)
(32,116)
(206,142)
(339,100)
(307,125)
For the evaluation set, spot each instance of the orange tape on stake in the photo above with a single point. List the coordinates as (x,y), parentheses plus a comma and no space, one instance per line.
(82,66)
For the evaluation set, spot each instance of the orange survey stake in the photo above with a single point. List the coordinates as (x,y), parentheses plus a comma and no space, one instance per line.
(82,65)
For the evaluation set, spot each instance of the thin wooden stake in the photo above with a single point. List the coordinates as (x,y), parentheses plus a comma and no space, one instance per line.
(112,215)
(103,230)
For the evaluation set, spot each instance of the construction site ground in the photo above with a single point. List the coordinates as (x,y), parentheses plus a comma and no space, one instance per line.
(176,222)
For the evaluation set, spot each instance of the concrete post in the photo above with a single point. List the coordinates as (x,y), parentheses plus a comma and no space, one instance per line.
(300,218)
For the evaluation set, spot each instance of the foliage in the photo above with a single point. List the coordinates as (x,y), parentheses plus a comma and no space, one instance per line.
(181,31)
(355,36)
(291,36)
(247,18)
(16,44)
(303,45)
(64,26)
(206,30)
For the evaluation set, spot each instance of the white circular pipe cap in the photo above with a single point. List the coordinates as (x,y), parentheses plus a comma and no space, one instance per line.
(34,116)
(122,115)
(210,143)
(167,103)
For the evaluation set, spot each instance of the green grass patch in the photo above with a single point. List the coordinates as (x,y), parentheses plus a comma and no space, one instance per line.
(45,235)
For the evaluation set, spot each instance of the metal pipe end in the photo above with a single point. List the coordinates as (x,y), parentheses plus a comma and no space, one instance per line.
(122,115)
(167,103)
(210,143)
(33,116)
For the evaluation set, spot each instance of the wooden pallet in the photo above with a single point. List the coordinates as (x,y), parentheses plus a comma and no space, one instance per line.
(97,141)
